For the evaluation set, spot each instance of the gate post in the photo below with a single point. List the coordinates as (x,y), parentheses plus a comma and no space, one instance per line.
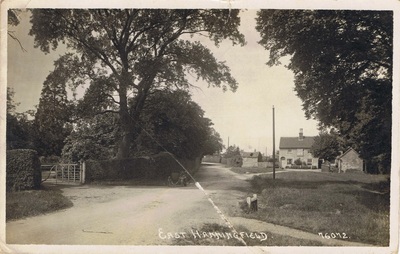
(83,172)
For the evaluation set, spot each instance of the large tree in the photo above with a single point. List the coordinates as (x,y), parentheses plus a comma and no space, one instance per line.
(326,146)
(342,62)
(54,114)
(170,121)
(133,52)
(173,122)
(214,143)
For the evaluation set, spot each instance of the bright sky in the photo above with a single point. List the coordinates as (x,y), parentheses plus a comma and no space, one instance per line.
(244,116)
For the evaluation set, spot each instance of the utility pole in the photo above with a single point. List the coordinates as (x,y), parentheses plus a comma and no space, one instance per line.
(273,142)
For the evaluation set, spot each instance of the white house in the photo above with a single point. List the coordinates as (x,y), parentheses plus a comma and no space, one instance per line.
(251,159)
(294,148)
(350,161)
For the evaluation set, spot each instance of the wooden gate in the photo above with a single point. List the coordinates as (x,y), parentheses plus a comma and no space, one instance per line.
(63,173)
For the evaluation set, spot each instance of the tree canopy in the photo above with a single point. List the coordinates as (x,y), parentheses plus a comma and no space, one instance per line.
(53,118)
(173,122)
(132,53)
(342,62)
(92,138)
(326,146)
(19,130)
(170,121)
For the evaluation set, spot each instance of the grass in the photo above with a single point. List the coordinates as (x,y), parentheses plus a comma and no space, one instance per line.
(268,239)
(34,202)
(326,203)
(254,170)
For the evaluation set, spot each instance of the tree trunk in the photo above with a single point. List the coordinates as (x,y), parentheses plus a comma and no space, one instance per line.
(125,124)
(129,120)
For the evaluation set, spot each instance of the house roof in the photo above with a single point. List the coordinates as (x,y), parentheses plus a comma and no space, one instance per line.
(294,142)
(250,154)
(348,150)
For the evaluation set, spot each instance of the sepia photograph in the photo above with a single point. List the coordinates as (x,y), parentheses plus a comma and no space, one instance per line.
(217,127)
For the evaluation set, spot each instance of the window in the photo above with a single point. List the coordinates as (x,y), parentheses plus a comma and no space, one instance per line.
(300,152)
(289,161)
(309,161)
(289,151)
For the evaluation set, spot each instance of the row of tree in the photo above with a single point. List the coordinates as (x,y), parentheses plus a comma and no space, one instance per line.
(343,64)
(130,58)
(170,122)
(135,63)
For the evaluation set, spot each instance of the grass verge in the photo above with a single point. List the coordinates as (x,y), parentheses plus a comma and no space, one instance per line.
(34,202)
(217,235)
(354,204)
(254,170)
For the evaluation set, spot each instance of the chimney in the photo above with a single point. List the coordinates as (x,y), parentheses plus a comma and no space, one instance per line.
(301,137)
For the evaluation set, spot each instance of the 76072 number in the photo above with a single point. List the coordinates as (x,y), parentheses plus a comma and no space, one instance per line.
(333,235)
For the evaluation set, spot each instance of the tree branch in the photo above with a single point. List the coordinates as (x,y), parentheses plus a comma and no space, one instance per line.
(11,34)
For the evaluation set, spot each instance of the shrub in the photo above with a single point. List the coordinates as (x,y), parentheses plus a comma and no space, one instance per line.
(23,170)
(297,162)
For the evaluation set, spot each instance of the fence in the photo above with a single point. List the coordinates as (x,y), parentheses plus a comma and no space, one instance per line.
(65,173)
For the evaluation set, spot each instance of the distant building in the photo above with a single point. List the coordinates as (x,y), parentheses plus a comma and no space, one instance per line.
(350,161)
(212,158)
(251,159)
(294,148)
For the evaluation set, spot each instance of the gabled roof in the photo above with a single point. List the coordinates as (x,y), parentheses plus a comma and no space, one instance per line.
(250,154)
(295,143)
(348,150)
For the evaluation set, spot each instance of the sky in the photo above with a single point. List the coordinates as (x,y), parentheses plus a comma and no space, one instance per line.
(243,117)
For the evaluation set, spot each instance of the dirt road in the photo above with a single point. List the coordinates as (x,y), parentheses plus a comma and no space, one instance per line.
(128,215)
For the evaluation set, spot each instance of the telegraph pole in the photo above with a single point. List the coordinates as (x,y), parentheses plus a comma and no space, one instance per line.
(273,142)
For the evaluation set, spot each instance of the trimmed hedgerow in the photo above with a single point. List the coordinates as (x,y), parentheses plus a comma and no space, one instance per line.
(22,170)
(158,166)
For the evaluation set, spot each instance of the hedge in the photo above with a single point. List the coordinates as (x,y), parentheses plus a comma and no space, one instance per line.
(159,166)
(22,170)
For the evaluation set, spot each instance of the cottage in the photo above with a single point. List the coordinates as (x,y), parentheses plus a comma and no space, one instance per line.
(350,161)
(251,159)
(292,149)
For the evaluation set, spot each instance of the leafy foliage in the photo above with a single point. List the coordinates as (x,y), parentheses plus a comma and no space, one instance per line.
(232,151)
(92,138)
(172,121)
(213,143)
(54,114)
(326,146)
(14,20)
(135,52)
(342,61)
(23,170)
(19,130)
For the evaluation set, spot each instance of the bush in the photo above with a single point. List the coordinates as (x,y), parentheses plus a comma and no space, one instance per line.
(297,162)
(235,161)
(22,170)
